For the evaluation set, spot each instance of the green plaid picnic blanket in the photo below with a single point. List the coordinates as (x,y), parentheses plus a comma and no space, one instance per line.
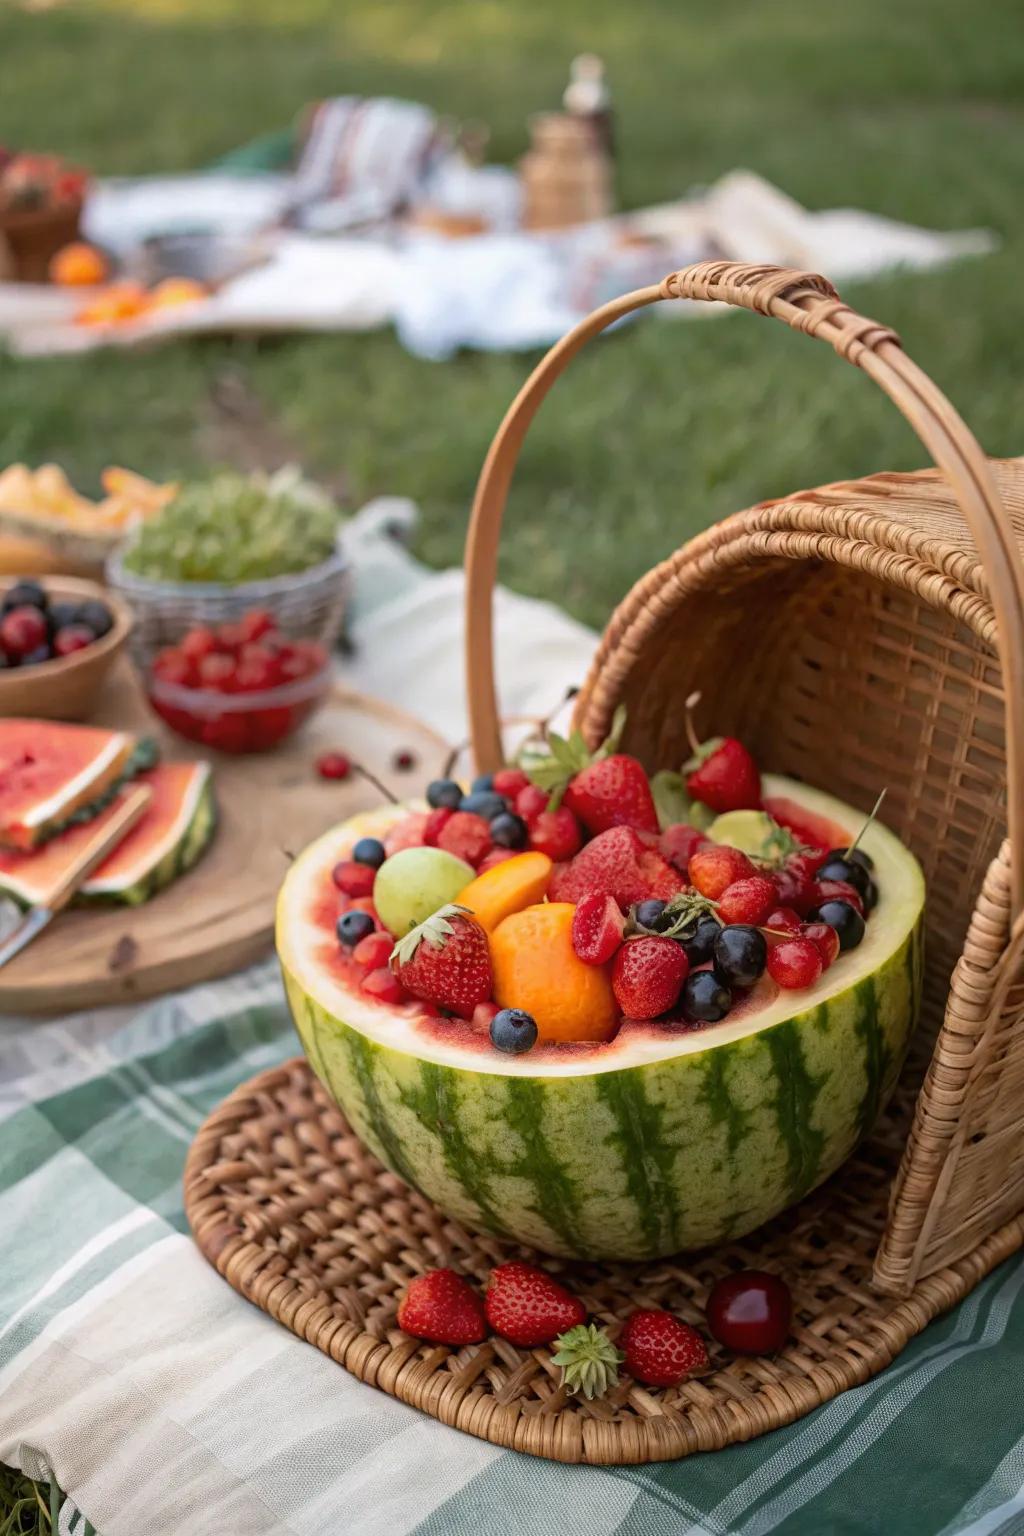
(162,1403)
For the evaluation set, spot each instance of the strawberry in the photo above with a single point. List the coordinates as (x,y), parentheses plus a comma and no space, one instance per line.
(748,900)
(443,1307)
(723,775)
(527,1307)
(679,843)
(466,835)
(660,1350)
(597,927)
(606,788)
(648,976)
(556,833)
(714,868)
(446,961)
(530,802)
(615,863)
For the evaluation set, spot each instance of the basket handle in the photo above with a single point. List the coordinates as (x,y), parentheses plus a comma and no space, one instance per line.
(807,303)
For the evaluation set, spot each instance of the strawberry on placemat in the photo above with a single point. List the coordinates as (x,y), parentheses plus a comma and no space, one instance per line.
(443,1307)
(527,1306)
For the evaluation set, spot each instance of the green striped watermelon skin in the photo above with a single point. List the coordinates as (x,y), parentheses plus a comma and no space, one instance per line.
(639,1162)
(186,851)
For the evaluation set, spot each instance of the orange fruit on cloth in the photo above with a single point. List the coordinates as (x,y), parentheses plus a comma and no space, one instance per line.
(506,888)
(535,967)
(114,304)
(177,290)
(78,265)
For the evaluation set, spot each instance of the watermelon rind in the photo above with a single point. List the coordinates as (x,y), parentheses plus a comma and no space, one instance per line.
(184,846)
(651,1144)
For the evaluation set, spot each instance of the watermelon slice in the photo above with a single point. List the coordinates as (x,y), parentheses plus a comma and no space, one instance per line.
(49,771)
(167,840)
(661,1139)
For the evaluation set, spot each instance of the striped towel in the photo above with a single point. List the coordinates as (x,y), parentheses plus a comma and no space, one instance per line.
(362,160)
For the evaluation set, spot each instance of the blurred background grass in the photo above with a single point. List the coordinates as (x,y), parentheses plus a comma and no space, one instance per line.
(916,111)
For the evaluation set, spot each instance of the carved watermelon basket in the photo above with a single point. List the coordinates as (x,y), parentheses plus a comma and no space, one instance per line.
(896,607)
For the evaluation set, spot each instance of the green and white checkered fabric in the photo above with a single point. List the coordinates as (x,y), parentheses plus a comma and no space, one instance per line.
(163,1403)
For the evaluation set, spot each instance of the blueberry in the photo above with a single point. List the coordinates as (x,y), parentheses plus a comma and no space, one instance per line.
(483,781)
(836,867)
(699,947)
(486,803)
(648,914)
(513,1030)
(740,955)
(857,855)
(509,830)
(63,614)
(846,920)
(369,850)
(27,594)
(95,616)
(444,795)
(41,653)
(704,998)
(353,926)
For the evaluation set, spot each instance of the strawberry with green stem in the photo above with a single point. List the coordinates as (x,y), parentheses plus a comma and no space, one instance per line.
(446,961)
(721,773)
(603,789)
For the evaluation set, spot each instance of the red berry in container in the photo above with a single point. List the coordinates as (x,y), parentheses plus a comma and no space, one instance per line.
(794,963)
(648,976)
(659,1349)
(556,833)
(218,671)
(23,630)
(173,666)
(466,835)
(597,928)
(199,642)
(333,765)
(374,951)
(231,637)
(530,802)
(839,890)
(509,782)
(750,1312)
(783,920)
(383,984)
(256,623)
(825,940)
(73,637)
(353,878)
(714,868)
(436,821)
(747,901)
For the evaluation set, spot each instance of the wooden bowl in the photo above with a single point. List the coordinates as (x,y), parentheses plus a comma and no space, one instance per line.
(67,687)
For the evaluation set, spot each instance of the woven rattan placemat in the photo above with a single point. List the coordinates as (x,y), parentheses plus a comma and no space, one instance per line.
(289,1206)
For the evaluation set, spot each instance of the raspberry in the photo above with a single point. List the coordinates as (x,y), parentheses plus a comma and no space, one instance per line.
(496,856)
(465,835)
(352,878)
(556,833)
(435,822)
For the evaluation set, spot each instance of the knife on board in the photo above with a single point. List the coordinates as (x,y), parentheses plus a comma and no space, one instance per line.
(93,852)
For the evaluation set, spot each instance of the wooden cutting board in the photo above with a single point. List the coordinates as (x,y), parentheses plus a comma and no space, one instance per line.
(220,916)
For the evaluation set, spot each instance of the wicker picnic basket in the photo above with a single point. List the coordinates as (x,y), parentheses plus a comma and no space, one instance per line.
(896,610)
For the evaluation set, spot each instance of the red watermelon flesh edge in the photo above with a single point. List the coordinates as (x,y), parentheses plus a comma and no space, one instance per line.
(814,831)
(48,770)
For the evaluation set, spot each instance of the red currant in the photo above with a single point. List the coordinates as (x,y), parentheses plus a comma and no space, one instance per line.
(794,963)
(404,760)
(824,938)
(750,1312)
(352,878)
(199,642)
(333,765)
(256,623)
(556,833)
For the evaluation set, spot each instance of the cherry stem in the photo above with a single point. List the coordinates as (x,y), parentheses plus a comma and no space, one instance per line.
(691,734)
(373,779)
(540,723)
(875,810)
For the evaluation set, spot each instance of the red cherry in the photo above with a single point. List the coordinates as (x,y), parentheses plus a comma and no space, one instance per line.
(198,643)
(784,920)
(794,963)
(509,782)
(72,638)
(806,865)
(256,623)
(556,833)
(824,938)
(352,878)
(218,671)
(22,630)
(231,637)
(333,765)
(750,1312)
(173,666)
(383,985)
(374,951)
(530,801)
(404,760)
(795,889)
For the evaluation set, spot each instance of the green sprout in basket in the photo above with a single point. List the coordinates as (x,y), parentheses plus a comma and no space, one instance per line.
(237,528)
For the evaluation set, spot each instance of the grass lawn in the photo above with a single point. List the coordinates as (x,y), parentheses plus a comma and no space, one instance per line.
(913,110)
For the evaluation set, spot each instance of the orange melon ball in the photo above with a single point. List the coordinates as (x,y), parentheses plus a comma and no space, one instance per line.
(506,888)
(536,968)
